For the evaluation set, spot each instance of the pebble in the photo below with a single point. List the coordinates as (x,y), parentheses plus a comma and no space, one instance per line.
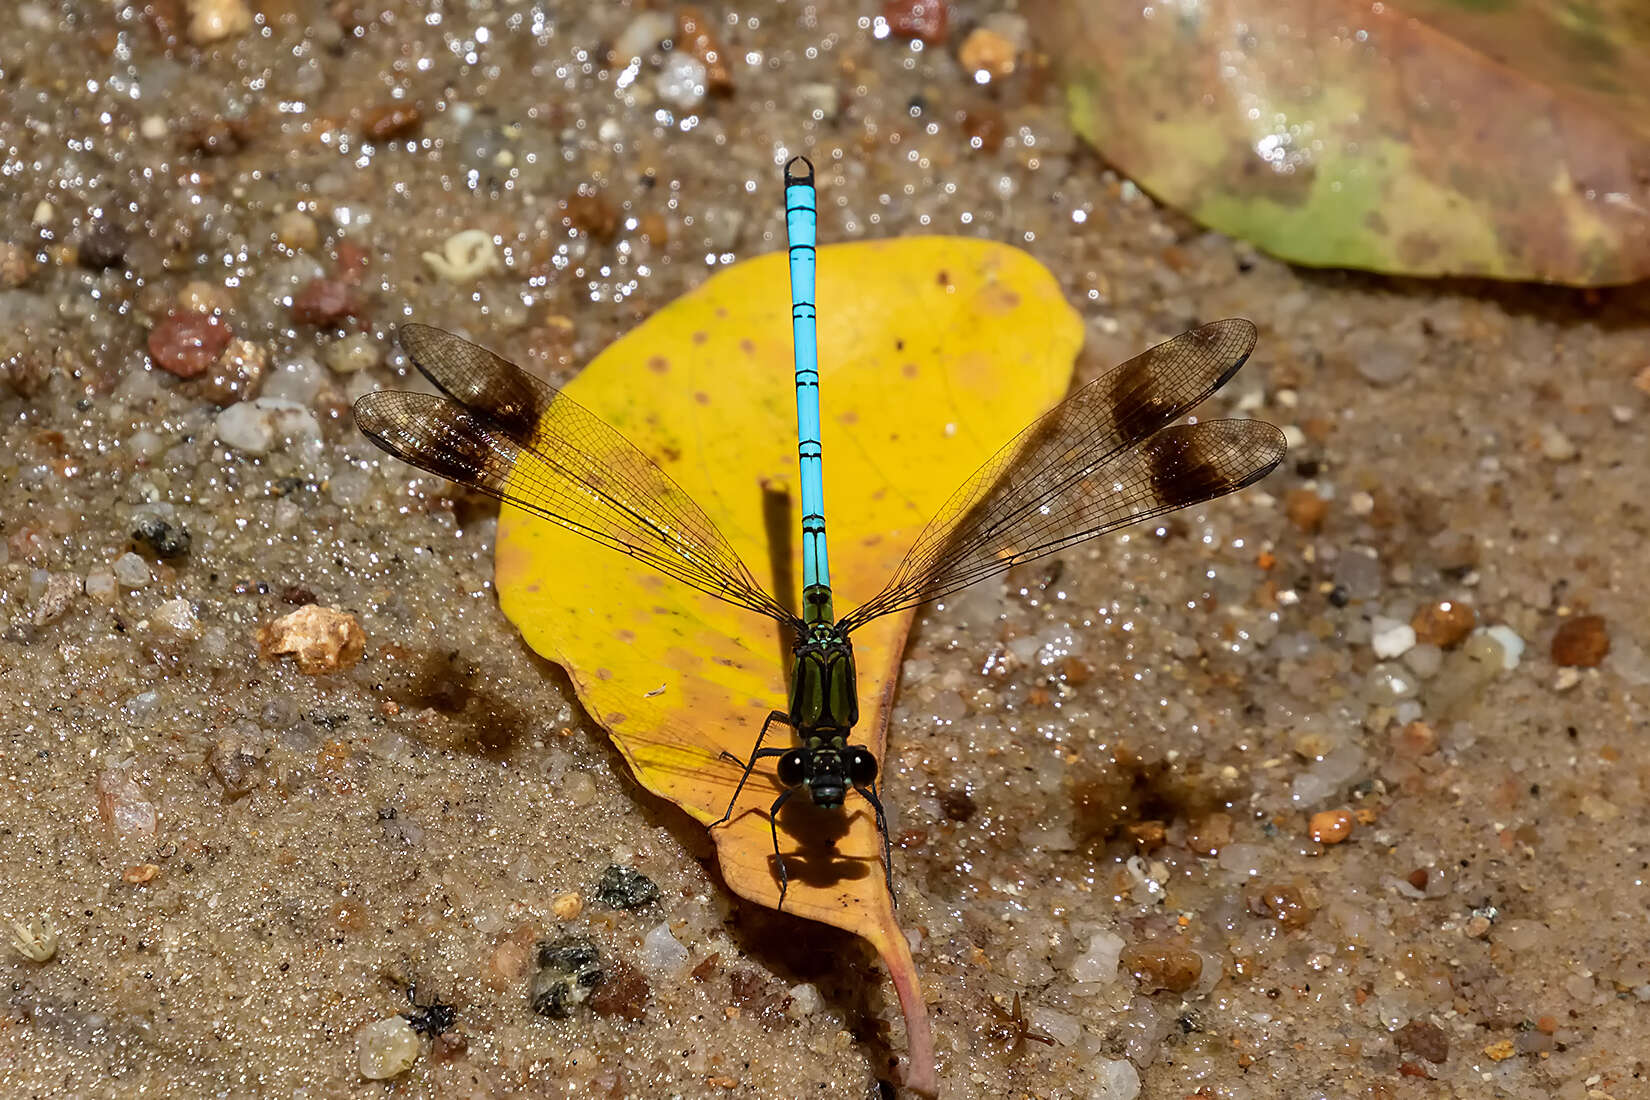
(235,765)
(1305,509)
(806,1001)
(567,906)
(987,54)
(253,427)
(143,709)
(238,374)
(1384,364)
(1512,646)
(662,953)
(1443,623)
(101,586)
(1464,674)
(697,35)
(591,213)
(925,20)
(820,100)
(392,120)
(186,343)
(1163,966)
(1115,1079)
(1525,935)
(355,352)
(1330,826)
(1566,679)
(1064,1028)
(166,539)
(625,888)
(325,302)
(1390,638)
(177,617)
(131,571)
(1324,779)
(297,230)
(1098,963)
(579,789)
(624,993)
(200,296)
(321,639)
(16,266)
(1358,574)
(1555,445)
(682,81)
(54,601)
(1581,641)
(141,874)
(642,36)
(1242,859)
(1424,1040)
(1415,739)
(1208,835)
(1283,902)
(1424,660)
(103,246)
(122,805)
(568,970)
(34,939)
(299,380)
(385,1048)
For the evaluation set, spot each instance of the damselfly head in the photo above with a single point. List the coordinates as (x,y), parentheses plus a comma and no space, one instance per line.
(827,786)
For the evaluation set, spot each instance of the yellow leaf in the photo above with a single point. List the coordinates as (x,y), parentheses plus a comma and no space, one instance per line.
(934,352)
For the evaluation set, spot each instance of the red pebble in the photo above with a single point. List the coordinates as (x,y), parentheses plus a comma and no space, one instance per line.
(928,20)
(352,262)
(324,301)
(186,343)
(1581,642)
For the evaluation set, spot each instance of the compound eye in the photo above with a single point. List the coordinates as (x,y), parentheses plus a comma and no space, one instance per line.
(790,768)
(862,767)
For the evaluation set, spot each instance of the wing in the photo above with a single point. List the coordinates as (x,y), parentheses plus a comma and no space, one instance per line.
(1101,459)
(507,434)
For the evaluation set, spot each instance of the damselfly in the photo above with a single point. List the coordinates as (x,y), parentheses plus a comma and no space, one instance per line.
(1109,455)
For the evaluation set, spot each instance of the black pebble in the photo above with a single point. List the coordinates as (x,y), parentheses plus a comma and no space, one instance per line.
(432,1019)
(165,539)
(104,246)
(624,888)
(568,970)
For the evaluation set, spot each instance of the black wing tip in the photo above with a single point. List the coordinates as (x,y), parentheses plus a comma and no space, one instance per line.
(417,332)
(1271,436)
(1238,331)
(419,340)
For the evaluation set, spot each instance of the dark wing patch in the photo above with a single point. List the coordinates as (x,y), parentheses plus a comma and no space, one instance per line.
(514,437)
(1103,458)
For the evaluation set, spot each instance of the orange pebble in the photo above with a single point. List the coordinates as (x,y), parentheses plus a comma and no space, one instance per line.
(1331,826)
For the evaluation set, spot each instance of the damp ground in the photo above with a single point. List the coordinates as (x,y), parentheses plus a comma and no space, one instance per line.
(1336,788)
